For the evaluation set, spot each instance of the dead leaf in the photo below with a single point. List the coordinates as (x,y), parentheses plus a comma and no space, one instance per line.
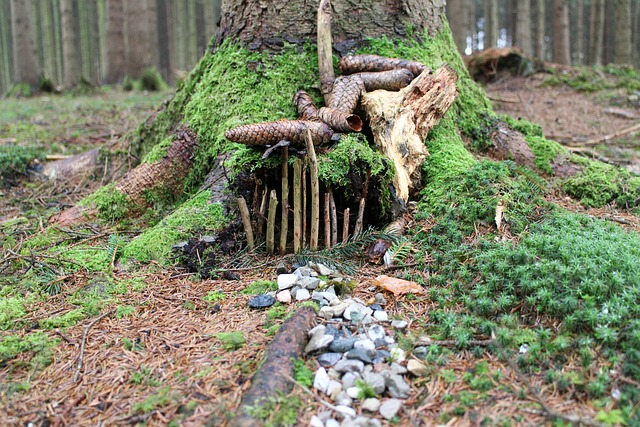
(398,286)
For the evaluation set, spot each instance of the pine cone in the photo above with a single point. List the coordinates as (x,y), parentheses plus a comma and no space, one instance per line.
(305,107)
(340,121)
(346,93)
(267,133)
(387,80)
(357,63)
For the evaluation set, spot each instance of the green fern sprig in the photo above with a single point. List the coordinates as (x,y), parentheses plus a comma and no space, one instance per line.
(400,251)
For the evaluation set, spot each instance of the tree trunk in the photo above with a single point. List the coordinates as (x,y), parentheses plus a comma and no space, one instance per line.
(540,30)
(578,43)
(622,50)
(25,65)
(472,30)
(490,23)
(115,42)
(138,38)
(561,54)
(267,25)
(6,48)
(457,17)
(523,27)
(596,34)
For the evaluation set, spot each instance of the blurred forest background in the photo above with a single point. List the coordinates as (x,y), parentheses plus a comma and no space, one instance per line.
(56,44)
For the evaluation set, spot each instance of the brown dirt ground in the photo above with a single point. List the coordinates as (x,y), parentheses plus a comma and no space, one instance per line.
(183,358)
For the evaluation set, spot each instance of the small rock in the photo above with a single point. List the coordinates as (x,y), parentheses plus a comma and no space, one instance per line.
(380,315)
(344,366)
(328,359)
(316,422)
(397,355)
(417,368)
(380,299)
(342,345)
(361,421)
(318,329)
(376,332)
(381,356)
(330,296)
(318,342)
(332,422)
(302,295)
(397,368)
(396,385)
(309,282)
(286,281)
(365,344)
(420,352)
(356,310)
(399,324)
(262,301)
(321,380)
(371,404)
(281,268)
(375,381)
(322,269)
(365,356)
(349,379)
(284,296)
(380,342)
(343,399)
(353,392)
(375,307)
(327,312)
(390,408)
(345,410)
(318,296)
(303,272)
(334,389)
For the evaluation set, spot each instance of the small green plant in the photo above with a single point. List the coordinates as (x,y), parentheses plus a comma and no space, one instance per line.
(231,340)
(125,311)
(260,287)
(302,373)
(364,390)
(279,411)
(162,398)
(144,376)
(215,296)
(132,345)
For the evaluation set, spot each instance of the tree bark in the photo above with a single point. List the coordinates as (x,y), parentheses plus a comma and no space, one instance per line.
(138,38)
(596,38)
(70,42)
(268,25)
(25,65)
(457,17)
(523,27)
(561,54)
(490,23)
(540,30)
(622,50)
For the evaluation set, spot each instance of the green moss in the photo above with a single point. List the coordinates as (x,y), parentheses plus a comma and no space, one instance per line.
(545,151)
(600,183)
(112,204)
(523,126)
(68,319)
(197,214)
(36,345)
(591,79)
(260,287)
(152,80)
(163,397)
(231,340)
(15,158)
(277,411)
(158,151)
(11,311)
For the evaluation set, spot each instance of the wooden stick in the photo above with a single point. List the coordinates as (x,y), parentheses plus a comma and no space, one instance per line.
(304,202)
(263,211)
(325,50)
(246,221)
(327,221)
(334,219)
(345,225)
(358,227)
(76,376)
(599,140)
(297,206)
(271,222)
(315,194)
(284,221)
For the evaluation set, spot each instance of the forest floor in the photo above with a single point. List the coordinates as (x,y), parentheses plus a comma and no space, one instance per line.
(126,347)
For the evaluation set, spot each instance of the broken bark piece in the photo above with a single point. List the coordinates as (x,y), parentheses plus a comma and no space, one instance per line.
(358,63)
(267,133)
(398,286)
(277,365)
(325,49)
(346,93)
(340,121)
(304,105)
(387,80)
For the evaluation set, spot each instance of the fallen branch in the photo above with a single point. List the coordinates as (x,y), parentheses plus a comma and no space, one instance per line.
(605,138)
(76,376)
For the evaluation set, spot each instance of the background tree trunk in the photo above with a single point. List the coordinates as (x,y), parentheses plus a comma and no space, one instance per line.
(578,42)
(540,50)
(24,45)
(622,50)
(490,23)
(560,51)
(457,17)
(268,24)
(70,51)
(523,27)
(472,30)
(596,32)
(6,48)
(138,38)
(115,41)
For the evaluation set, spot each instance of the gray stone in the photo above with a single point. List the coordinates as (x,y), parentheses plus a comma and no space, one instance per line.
(318,342)
(315,421)
(343,399)
(328,359)
(361,354)
(420,352)
(390,408)
(396,368)
(332,422)
(342,345)
(380,299)
(333,331)
(345,411)
(376,332)
(281,268)
(349,379)
(327,312)
(302,295)
(303,272)
(334,389)
(361,421)
(417,368)
(286,281)
(380,342)
(371,404)
(397,354)
(380,315)
(322,269)
(375,381)
(353,392)
(318,329)
(349,366)
(357,309)
(375,307)
(365,344)
(399,324)
(382,355)
(262,301)
(309,282)
(318,296)
(396,385)
(321,380)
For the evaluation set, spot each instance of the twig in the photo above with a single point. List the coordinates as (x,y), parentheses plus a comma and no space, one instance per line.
(605,138)
(315,194)
(246,221)
(271,222)
(66,338)
(360,219)
(76,376)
